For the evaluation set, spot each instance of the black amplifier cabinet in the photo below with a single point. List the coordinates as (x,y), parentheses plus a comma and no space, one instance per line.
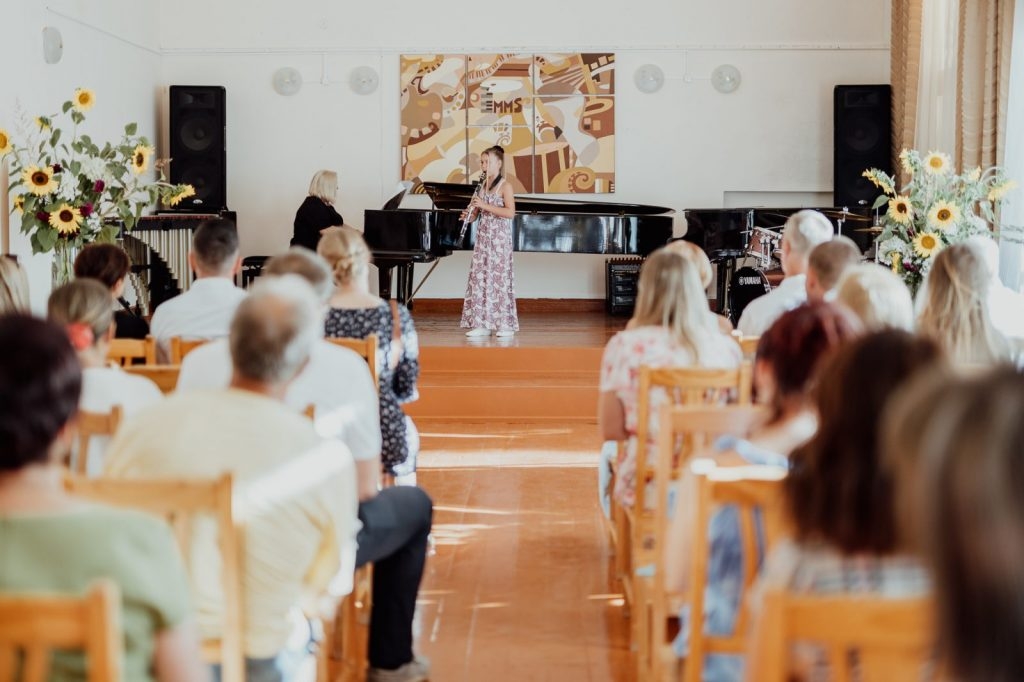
(621,276)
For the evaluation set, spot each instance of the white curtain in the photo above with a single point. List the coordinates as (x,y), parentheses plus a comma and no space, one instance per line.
(937,88)
(1012,218)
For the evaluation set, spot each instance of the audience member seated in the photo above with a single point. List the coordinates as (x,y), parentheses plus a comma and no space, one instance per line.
(956,313)
(803,231)
(673,328)
(356,313)
(826,265)
(54,542)
(13,286)
(789,356)
(336,381)
(957,445)
(1005,306)
(839,492)
(700,259)
(110,265)
(206,309)
(82,308)
(296,495)
(878,297)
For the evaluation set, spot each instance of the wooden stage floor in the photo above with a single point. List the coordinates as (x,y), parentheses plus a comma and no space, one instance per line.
(536,330)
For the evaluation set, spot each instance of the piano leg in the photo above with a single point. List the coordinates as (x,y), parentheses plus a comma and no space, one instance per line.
(384,281)
(404,285)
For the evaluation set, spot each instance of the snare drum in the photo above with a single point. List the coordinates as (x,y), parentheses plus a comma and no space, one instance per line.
(765,246)
(746,285)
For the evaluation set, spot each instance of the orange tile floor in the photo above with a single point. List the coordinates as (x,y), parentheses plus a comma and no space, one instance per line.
(519,586)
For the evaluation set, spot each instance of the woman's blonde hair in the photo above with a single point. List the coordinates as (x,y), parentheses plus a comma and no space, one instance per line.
(324,186)
(877,296)
(82,301)
(345,251)
(13,287)
(956,311)
(670,295)
(695,255)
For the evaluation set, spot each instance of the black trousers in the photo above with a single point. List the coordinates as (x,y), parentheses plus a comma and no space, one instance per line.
(396,524)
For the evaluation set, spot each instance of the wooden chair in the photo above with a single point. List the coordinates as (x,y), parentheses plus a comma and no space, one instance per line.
(342,654)
(748,344)
(164,376)
(367,348)
(892,638)
(687,386)
(91,424)
(179,501)
(179,347)
(35,625)
(683,431)
(126,351)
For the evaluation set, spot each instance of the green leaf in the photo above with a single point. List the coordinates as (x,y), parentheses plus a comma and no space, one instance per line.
(76,167)
(67,107)
(880,201)
(55,137)
(46,237)
(131,128)
(77,117)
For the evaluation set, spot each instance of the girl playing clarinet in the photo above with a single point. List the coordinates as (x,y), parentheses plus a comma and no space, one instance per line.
(490,305)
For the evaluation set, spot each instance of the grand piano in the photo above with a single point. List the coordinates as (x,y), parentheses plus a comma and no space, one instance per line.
(401,237)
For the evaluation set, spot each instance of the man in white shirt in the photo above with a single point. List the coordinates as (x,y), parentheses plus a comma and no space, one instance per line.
(803,231)
(206,309)
(295,493)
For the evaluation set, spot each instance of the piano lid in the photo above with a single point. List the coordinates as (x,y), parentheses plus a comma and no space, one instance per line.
(456,196)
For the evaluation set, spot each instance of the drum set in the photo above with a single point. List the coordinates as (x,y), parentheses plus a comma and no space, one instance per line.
(758,269)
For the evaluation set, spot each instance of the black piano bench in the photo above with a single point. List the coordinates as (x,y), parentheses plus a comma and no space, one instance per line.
(252,267)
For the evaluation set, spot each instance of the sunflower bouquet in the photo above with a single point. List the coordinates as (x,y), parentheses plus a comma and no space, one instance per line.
(935,209)
(69,190)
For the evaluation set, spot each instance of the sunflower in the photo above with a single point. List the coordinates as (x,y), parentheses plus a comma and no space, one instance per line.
(66,219)
(905,161)
(974,175)
(42,123)
(140,159)
(994,194)
(39,180)
(901,210)
(186,192)
(879,182)
(83,100)
(927,244)
(937,163)
(19,203)
(943,215)
(5,142)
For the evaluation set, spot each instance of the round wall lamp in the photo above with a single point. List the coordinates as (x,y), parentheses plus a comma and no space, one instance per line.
(726,78)
(363,80)
(53,45)
(287,81)
(649,78)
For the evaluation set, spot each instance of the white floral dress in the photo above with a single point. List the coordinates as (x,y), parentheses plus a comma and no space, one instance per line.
(491,290)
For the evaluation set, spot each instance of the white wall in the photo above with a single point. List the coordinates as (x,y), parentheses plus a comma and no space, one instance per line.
(110,47)
(685,146)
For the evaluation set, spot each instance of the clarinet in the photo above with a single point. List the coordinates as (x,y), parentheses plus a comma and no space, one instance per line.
(470,211)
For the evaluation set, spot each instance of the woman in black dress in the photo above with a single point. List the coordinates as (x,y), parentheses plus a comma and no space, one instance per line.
(111,265)
(317,211)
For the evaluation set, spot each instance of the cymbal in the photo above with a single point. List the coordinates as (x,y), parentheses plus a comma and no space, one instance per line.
(873,229)
(847,217)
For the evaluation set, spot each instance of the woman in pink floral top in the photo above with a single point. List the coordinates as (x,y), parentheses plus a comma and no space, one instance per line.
(673,327)
(490,304)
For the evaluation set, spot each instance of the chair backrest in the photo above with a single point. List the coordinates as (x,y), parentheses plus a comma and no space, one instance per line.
(892,638)
(179,347)
(35,625)
(179,501)
(92,424)
(125,351)
(164,376)
(685,386)
(748,344)
(753,491)
(365,347)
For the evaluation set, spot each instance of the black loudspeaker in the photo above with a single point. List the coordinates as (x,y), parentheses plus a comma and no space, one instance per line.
(862,125)
(197,145)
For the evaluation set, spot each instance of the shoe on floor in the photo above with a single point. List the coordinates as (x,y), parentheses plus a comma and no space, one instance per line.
(479,331)
(416,670)
(505,333)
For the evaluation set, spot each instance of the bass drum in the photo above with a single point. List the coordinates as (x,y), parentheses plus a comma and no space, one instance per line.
(746,285)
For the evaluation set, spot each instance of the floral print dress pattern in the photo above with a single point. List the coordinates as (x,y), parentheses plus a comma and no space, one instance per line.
(491,290)
(396,380)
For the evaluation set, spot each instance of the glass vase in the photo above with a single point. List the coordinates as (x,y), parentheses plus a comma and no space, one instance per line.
(63,269)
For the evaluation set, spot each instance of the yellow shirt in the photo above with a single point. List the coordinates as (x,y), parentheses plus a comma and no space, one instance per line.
(295,499)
